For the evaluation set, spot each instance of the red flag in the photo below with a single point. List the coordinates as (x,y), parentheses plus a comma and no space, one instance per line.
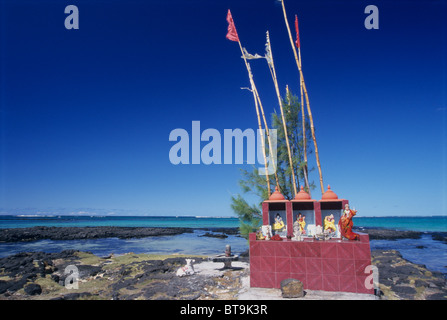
(232,33)
(297,42)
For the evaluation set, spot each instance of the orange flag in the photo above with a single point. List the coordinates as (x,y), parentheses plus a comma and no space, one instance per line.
(297,42)
(232,33)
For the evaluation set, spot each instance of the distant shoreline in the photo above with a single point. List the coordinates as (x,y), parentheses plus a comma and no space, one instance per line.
(102,232)
(99,232)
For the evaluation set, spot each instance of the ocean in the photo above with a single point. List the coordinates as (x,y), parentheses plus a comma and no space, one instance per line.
(426,251)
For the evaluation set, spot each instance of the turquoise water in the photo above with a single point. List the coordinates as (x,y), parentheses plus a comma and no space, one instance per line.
(9,221)
(186,243)
(423,251)
(425,224)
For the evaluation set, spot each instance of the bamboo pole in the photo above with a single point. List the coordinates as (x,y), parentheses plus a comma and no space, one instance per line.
(275,81)
(267,131)
(306,95)
(303,121)
(253,89)
(306,181)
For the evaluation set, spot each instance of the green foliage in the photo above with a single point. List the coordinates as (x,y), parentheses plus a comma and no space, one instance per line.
(250,216)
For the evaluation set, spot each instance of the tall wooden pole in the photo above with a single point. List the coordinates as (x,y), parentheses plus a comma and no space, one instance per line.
(303,121)
(259,118)
(275,81)
(306,95)
(303,117)
(306,180)
(267,131)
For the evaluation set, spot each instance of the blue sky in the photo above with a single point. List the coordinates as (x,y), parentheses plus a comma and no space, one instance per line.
(86,114)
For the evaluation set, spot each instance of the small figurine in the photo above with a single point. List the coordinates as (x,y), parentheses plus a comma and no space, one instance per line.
(302,223)
(297,236)
(266,231)
(318,232)
(187,270)
(278,226)
(345,224)
(329,223)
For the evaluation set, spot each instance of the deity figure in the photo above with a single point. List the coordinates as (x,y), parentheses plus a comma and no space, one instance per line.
(266,231)
(345,224)
(329,223)
(279,224)
(300,223)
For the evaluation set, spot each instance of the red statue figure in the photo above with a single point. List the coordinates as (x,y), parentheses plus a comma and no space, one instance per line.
(345,224)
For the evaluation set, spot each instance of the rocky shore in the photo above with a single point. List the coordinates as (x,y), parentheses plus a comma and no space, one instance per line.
(389,234)
(44,276)
(400,279)
(72,233)
(38,275)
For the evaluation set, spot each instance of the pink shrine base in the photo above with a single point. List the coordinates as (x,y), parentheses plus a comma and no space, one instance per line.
(330,265)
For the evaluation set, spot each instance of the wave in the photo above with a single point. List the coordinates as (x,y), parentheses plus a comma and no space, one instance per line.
(34,215)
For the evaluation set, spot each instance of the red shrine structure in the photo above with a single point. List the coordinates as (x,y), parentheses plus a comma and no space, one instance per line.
(335,264)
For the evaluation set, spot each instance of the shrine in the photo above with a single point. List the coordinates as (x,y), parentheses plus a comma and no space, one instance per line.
(301,238)
(329,264)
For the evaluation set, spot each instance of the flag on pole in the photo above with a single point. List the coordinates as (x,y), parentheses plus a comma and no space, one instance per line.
(268,50)
(249,56)
(232,33)
(297,42)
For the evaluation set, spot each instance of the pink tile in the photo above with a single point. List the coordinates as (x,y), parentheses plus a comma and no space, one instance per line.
(297,249)
(255,264)
(346,267)
(329,266)
(314,282)
(329,250)
(345,250)
(267,264)
(267,248)
(348,284)
(282,249)
(331,283)
(362,251)
(267,280)
(282,264)
(298,265)
(364,285)
(255,278)
(252,236)
(265,213)
(254,249)
(360,266)
(313,249)
(313,266)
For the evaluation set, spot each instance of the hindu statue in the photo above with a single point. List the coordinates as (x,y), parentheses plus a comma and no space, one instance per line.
(345,224)
(300,224)
(329,223)
(278,225)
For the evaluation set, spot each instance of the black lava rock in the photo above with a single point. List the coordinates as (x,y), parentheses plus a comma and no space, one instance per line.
(33,289)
